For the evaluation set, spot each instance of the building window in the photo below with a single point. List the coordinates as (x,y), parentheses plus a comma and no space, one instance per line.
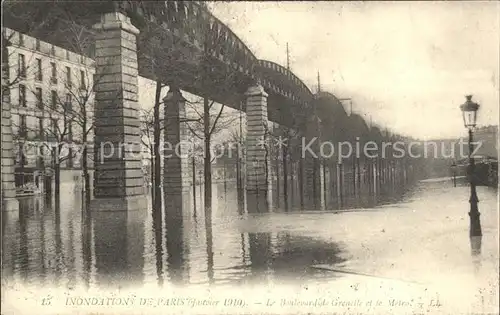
(53,50)
(40,127)
(53,78)
(67,54)
(22,162)
(53,126)
(53,98)
(82,80)
(22,125)
(70,131)
(70,157)
(68,102)
(39,99)
(37,44)
(21,39)
(22,66)
(22,95)
(91,50)
(70,139)
(68,77)
(39,73)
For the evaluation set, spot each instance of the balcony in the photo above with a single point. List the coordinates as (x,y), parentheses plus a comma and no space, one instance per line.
(53,80)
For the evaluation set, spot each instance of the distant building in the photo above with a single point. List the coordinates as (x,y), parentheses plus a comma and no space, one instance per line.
(487,136)
(441,153)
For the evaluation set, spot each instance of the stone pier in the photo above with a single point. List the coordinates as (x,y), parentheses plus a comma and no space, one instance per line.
(257,159)
(9,201)
(176,174)
(119,180)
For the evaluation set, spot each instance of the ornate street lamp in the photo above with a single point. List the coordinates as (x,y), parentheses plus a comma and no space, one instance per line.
(469,111)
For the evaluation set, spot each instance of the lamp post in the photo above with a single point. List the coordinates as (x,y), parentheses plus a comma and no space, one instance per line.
(469,111)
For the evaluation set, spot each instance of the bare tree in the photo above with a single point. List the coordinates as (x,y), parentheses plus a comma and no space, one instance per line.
(81,40)
(203,128)
(172,54)
(157,49)
(237,136)
(13,72)
(57,139)
(211,126)
(71,124)
(77,107)
(147,130)
(31,21)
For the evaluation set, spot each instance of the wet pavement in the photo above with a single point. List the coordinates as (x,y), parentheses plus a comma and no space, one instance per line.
(413,246)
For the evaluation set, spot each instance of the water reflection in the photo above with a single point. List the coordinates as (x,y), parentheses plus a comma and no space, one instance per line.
(86,233)
(23,240)
(258,203)
(48,243)
(176,206)
(475,245)
(210,251)
(119,247)
(285,257)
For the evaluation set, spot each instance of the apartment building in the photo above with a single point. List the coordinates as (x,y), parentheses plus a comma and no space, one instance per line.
(50,94)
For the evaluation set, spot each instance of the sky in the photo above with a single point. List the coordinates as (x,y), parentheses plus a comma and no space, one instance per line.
(407,65)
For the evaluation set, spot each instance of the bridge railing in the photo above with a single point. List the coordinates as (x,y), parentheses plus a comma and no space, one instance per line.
(198,27)
(303,93)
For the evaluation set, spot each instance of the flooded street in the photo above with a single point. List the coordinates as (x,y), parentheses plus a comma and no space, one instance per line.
(421,241)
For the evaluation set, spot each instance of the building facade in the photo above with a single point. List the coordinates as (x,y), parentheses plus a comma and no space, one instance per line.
(51,96)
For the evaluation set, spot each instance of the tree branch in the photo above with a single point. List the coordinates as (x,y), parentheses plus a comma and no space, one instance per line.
(216,119)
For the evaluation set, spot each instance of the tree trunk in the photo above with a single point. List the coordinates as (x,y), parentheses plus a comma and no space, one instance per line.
(301,182)
(193,176)
(208,158)
(278,182)
(151,175)
(86,177)
(224,175)
(354,175)
(358,167)
(22,159)
(156,178)
(324,192)
(85,168)
(285,176)
(57,182)
(292,180)
(238,176)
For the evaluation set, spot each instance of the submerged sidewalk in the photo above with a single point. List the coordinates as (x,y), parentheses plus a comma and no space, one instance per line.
(413,256)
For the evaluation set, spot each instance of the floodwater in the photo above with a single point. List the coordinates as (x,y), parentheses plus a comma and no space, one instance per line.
(417,235)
